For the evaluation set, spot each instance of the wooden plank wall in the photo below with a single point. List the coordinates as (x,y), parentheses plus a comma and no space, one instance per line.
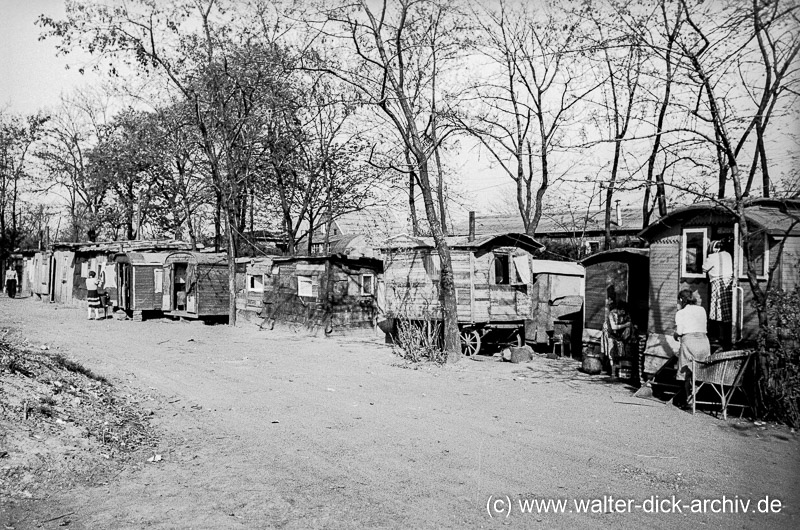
(212,290)
(335,305)
(665,255)
(413,293)
(790,263)
(144,296)
(410,291)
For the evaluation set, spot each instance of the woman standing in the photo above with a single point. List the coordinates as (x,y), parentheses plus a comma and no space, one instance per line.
(11,281)
(690,330)
(617,332)
(92,296)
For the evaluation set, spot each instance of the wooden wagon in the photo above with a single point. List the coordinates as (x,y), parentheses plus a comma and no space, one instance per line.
(679,245)
(195,285)
(622,274)
(492,276)
(140,282)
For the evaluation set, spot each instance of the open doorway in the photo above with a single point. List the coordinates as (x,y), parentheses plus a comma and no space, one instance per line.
(179,286)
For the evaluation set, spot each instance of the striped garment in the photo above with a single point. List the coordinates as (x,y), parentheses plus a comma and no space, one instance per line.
(94,299)
(721,305)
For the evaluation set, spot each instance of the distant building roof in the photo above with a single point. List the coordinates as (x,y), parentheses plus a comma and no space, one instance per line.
(555,224)
(377,224)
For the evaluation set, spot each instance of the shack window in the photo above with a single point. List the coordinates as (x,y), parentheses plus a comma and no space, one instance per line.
(693,252)
(501,269)
(304,286)
(255,283)
(759,253)
(158,280)
(368,284)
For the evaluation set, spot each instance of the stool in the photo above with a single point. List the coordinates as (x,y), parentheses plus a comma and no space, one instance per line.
(560,342)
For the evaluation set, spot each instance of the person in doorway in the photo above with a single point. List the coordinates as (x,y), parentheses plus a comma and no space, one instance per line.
(93,297)
(11,281)
(691,331)
(719,267)
(617,332)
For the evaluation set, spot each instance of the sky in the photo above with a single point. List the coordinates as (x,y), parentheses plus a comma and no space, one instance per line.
(32,76)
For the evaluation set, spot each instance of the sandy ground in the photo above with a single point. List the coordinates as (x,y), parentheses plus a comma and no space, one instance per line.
(277,429)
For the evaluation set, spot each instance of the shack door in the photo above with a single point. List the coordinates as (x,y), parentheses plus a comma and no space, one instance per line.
(503,288)
(52,279)
(124,282)
(166,295)
(191,288)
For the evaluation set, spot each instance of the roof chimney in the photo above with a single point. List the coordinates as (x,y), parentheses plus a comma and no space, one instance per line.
(619,217)
(471,226)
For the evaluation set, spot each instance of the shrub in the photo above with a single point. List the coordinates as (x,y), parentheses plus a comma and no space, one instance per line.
(419,340)
(780,380)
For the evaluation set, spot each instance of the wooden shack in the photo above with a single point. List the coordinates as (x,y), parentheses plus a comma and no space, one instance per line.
(679,245)
(252,276)
(331,293)
(493,279)
(71,263)
(622,274)
(140,283)
(195,285)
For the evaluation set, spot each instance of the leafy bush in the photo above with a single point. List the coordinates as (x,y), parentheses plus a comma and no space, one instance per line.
(780,380)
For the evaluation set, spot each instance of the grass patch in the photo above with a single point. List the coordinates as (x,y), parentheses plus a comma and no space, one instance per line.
(76,367)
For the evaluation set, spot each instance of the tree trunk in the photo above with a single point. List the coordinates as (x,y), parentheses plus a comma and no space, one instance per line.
(231,223)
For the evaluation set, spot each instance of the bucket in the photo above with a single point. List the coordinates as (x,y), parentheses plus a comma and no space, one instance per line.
(592,364)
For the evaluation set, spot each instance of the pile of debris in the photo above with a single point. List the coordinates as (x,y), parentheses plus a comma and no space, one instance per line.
(60,423)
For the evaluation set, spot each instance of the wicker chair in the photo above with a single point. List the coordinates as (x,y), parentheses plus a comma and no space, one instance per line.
(724,372)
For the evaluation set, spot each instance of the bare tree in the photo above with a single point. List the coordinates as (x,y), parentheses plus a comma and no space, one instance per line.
(391,71)
(530,100)
(215,61)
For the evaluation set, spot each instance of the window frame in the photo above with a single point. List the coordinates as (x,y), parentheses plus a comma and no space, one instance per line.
(306,280)
(255,289)
(497,256)
(363,283)
(742,272)
(684,239)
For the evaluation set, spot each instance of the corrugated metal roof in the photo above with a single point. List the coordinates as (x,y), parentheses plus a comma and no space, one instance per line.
(200,258)
(615,254)
(147,258)
(462,242)
(775,216)
(123,246)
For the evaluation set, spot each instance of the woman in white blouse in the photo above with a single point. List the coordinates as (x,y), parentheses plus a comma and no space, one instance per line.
(691,331)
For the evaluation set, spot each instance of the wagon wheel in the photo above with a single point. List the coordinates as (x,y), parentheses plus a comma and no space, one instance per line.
(470,342)
(513,338)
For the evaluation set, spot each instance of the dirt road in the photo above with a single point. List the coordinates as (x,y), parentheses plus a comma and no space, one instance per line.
(275,429)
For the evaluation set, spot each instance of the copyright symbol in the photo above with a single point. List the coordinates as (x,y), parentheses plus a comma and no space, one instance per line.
(498,506)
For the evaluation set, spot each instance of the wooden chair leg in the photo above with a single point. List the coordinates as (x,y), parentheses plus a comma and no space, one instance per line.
(694,389)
